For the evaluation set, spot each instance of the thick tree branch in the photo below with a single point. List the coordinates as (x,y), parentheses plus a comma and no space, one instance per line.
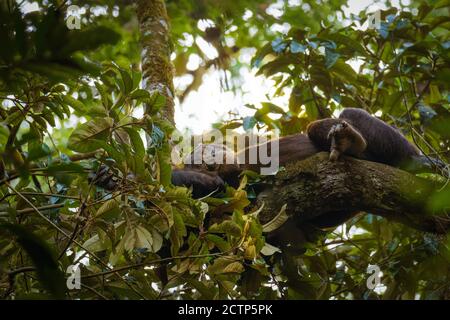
(157,68)
(315,187)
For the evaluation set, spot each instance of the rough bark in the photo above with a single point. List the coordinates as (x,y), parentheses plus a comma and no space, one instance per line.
(157,68)
(315,187)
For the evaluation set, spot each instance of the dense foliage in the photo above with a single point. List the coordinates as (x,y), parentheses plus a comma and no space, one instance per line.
(71,101)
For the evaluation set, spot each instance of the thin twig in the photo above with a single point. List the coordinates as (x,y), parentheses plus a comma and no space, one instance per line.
(74,241)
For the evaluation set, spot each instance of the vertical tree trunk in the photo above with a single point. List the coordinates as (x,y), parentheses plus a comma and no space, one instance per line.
(156,65)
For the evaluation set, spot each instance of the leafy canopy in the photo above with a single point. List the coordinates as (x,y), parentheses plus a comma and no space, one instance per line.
(71,102)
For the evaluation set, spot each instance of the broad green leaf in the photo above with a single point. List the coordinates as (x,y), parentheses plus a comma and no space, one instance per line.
(75,104)
(104,95)
(278,45)
(89,136)
(261,54)
(225,265)
(108,209)
(140,94)
(66,172)
(435,95)
(37,151)
(157,102)
(228,227)
(144,239)
(269,107)
(219,242)
(248,123)
(330,58)
(136,141)
(348,42)
(89,39)
(94,244)
(280,64)
(297,47)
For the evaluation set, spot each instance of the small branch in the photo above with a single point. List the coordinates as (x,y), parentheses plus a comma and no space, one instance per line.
(12,278)
(147,263)
(29,210)
(83,156)
(94,291)
(15,272)
(91,254)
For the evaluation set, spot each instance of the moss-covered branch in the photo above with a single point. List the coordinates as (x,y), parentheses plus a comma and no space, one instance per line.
(316,187)
(156,65)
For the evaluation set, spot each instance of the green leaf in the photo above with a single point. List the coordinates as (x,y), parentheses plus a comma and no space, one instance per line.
(348,102)
(392,101)
(435,95)
(140,94)
(177,232)
(260,54)
(38,150)
(144,238)
(75,104)
(109,209)
(225,265)
(156,103)
(228,227)
(384,30)
(136,141)
(297,47)
(269,107)
(347,42)
(127,81)
(230,125)
(94,244)
(344,72)
(249,122)
(280,64)
(295,100)
(278,45)
(320,77)
(55,72)
(157,136)
(443,75)
(207,292)
(43,259)
(126,84)
(165,171)
(114,151)
(219,242)
(105,97)
(330,58)
(14,118)
(58,109)
(88,39)
(89,136)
